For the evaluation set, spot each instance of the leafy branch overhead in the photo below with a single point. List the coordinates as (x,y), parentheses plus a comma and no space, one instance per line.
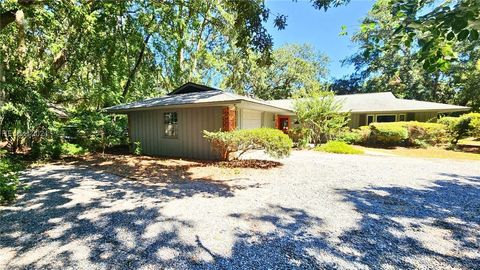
(429,28)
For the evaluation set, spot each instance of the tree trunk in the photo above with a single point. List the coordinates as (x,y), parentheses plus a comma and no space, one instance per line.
(131,76)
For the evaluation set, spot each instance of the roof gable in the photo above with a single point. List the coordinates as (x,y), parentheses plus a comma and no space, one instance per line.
(191,88)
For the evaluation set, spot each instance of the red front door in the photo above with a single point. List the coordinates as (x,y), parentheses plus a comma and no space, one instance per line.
(284,123)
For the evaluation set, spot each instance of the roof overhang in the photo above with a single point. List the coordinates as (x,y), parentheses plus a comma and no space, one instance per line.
(413,110)
(176,106)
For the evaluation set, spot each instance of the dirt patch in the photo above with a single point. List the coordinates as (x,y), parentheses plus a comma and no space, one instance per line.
(158,170)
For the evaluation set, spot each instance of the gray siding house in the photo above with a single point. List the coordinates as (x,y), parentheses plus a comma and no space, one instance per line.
(172,125)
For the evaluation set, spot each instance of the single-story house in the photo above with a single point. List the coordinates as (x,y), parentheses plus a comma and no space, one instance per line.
(172,125)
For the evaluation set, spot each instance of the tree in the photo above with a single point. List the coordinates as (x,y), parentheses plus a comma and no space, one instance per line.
(429,28)
(319,112)
(294,68)
(385,65)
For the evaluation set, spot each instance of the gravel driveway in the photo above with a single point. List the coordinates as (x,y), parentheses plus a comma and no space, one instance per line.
(317,211)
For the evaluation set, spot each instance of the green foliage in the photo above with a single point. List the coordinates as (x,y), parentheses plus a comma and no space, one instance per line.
(415,61)
(95,130)
(422,134)
(46,149)
(404,133)
(9,181)
(350,137)
(475,126)
(320,113)
(294,68)
(338,147)
(462,126)
(71,149)
(273,141)
(388,133)
(300,136)
(137,148)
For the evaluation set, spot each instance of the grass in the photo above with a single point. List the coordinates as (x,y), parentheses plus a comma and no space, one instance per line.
(469,142)
(338,148)
(430,152)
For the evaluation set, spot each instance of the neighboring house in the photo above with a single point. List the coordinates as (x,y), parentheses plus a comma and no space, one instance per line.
(173,125)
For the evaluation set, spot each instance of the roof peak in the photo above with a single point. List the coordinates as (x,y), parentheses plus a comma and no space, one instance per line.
(191,87)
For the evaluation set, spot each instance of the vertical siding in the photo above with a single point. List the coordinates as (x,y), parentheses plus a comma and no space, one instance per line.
(268,120)
(426,116)
(148,127)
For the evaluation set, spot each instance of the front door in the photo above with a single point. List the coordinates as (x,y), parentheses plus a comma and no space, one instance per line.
(284,123)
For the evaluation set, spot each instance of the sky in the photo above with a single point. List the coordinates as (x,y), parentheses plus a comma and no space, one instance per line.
(306,24)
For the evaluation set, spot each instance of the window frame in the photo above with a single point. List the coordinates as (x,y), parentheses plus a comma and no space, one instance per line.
(174,124)
(377,115)
(373,119)
(404,117)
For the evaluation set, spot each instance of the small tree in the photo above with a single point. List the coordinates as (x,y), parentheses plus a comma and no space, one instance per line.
(319,112)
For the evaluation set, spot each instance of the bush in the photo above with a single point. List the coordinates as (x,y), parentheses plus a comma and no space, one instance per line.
(46,149)
(338,147)
(273,141)
(350,137)
(300,136)
(475,127)
(388,133)
(71,149)
(137,148)
(9,182)
(423,134)
(463,126)
(320,113)
(95,130)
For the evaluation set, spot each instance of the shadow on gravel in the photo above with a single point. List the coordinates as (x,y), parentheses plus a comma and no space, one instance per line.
(399,228)
(402,225)
(97,218)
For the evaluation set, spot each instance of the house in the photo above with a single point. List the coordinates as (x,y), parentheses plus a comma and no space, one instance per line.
(172,125)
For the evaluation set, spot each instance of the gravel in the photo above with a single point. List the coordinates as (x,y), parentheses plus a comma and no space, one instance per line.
(317,211)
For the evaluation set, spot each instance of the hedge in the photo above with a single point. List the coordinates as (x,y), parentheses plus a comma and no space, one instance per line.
(463,126)
(400,133)
(273,141)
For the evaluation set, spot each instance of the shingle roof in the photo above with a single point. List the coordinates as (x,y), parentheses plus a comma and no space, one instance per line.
(191,93)
(380,102)
(202,97)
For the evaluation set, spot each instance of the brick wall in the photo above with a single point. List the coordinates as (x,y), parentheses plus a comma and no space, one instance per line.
(229,119)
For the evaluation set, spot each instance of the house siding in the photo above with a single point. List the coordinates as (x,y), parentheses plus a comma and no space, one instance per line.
(147,127)
(358,120)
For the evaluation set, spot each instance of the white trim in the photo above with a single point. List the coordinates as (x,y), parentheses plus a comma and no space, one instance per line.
(404,117)
(373,120)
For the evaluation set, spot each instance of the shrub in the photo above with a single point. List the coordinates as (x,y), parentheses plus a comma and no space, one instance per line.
(350,137)
(273,141)
(95,130)
(46,149)
(388,133)
(320,113)
(475,126)
(137,148)
(422,134)
(9,182)
(463,126)
(71,149)
(300,136)
(338,147)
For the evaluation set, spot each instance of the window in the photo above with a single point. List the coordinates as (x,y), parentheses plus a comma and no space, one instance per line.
(171,124)
(386,118)
(370,119)
(401,117)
